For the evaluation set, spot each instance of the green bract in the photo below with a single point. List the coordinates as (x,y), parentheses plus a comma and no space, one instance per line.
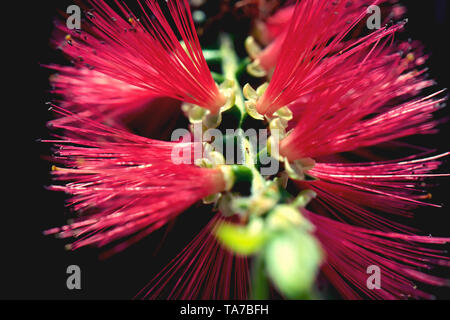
(244,240)
(292,261)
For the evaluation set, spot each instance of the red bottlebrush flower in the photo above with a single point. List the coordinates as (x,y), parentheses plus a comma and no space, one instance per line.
(98,96)
(361,101)
(91,94)
(145,56)
(349,191)
(276,27)
(350,251)
(267,58)
(203,270)
(302,67)
(279,22)
(125,184)
(90,87)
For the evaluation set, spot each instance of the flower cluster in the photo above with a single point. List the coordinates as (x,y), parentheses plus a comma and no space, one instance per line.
(326,88)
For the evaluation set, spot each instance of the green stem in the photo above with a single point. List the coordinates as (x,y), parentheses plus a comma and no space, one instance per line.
(260,283)
(212,56)
(217,77)
(230,67)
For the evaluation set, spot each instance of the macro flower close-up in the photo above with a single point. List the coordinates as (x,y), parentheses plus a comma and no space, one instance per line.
(292,139)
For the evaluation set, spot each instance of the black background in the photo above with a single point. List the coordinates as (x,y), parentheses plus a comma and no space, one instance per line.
(34,266)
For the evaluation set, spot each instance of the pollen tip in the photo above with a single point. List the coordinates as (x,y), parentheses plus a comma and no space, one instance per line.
(427,196)
(410,57)
(50,231)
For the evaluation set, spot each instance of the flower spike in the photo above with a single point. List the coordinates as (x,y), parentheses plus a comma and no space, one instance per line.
(124,184)
(362,105)
(305,52)
(352,250)
(356,190)
(275,28)
(202,258)
(92,94)
(147,54)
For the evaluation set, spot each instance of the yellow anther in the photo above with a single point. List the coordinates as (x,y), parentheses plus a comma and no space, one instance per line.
(216,158)
(203,163)
(211,198)
(256,70)
(262,89)
(296,169)
(249,92)
(250,106)
(427,196)
(253,49)
(278,127)
(252,97)
(285,114)
(228,177)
